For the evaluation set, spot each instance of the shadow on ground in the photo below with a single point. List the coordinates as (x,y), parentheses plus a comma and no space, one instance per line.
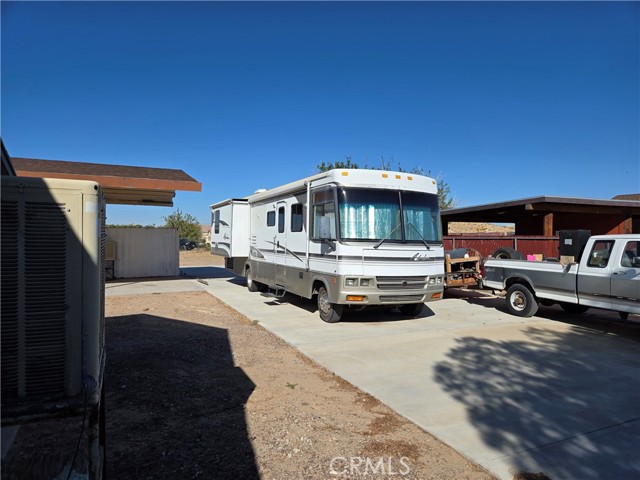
(602,320)
(205,273)
(174,409)
(175,402)
(526,396)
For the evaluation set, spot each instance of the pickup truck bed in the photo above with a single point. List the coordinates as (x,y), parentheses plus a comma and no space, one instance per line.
(607,276)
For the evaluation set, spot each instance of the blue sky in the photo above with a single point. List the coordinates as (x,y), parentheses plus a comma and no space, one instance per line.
(502,100)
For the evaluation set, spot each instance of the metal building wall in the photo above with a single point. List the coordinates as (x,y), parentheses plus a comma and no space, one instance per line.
(145,252)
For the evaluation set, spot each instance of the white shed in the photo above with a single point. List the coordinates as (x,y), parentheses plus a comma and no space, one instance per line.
(145,252)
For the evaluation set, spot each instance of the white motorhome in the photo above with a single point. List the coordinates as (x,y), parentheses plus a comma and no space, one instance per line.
(350,237)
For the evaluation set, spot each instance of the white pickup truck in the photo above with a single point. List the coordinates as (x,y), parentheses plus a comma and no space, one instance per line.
(607,276)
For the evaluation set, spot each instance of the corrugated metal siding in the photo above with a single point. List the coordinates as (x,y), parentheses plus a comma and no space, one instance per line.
(487,244)
(145,252)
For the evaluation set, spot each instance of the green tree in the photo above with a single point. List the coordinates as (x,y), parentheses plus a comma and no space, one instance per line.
(325,167)
(447,202)
(186,224)
(445,198)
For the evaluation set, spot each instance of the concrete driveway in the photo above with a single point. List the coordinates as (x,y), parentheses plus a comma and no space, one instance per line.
(555,393)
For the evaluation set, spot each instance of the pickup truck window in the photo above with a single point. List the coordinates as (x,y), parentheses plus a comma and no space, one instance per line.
(630,253)
(600,253)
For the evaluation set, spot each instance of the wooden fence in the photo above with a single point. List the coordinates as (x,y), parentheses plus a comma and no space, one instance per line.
(487,244)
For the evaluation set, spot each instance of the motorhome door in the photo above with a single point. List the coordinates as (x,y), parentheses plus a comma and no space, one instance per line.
(280,246)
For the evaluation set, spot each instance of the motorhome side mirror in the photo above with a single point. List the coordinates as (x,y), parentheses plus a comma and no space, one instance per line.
(325,228)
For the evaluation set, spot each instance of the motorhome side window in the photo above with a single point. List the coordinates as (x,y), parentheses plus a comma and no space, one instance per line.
(324,214)
(216,222)
(281,220)
(600,253)
(271,218)
(296,217)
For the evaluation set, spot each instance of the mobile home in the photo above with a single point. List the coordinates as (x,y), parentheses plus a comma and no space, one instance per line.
(348,237)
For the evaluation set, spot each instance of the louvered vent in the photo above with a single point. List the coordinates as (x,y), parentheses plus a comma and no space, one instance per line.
(103,268)
(9,299)
(52,296)
(45,247)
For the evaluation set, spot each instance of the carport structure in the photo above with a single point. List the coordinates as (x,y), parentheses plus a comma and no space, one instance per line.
(545,215)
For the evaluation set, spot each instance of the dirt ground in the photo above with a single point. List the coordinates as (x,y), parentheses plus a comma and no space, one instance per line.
(196,390)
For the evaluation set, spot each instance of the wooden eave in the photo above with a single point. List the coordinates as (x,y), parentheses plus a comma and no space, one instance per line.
(120,184)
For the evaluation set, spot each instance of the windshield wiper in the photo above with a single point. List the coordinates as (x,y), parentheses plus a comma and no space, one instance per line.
(420,235)
(387,237)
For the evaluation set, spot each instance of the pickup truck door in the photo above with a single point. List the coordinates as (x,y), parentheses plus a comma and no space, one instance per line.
(625,281)
(594,275)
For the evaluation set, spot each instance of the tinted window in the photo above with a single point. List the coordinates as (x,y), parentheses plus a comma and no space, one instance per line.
(281,220)
(271,218)
(216,222)
(296,217)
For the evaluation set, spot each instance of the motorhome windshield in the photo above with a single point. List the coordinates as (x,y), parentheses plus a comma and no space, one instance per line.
(401,216)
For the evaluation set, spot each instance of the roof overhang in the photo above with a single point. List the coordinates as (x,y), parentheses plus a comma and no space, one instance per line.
(511,211)
(120,184)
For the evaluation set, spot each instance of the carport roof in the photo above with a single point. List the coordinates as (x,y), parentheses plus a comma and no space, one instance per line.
(121,184)
(512,210)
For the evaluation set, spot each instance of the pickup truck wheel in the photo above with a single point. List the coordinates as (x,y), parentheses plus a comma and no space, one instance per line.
(573,308)
(508,253)
(520,301)
(329,312)
(411,309)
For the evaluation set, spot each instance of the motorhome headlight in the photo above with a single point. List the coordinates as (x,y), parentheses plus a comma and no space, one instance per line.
(364,282)
(439,281)
(432,280)
(351,282)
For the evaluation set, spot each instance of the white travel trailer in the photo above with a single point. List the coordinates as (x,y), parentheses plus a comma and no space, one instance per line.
(350,237)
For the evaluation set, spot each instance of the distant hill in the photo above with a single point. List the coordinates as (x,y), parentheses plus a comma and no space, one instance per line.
(479,227)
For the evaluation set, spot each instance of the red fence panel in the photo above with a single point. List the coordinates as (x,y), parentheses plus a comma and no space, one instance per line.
(487,244)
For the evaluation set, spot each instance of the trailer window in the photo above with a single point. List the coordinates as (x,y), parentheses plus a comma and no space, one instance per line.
(216,222)
(600,253)
(281,220)
(271,218)
(296,217)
